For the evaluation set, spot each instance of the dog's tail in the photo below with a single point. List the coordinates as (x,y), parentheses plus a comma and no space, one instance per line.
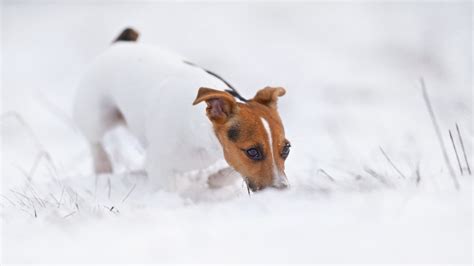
(128,35)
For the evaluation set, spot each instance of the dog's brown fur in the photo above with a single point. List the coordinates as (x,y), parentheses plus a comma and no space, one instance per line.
(128,35)
(238,126)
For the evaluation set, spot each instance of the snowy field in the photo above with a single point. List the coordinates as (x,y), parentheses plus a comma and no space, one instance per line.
(368,180)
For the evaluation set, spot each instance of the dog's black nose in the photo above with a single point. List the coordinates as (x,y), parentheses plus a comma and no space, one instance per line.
(280,181)
(282,185)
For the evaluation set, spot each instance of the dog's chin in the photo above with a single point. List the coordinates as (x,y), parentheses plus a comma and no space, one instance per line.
(251,185)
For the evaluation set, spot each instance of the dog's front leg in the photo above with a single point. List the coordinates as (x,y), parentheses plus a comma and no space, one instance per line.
(223,177)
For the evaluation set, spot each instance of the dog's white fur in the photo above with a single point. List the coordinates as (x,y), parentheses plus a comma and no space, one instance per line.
(152,90)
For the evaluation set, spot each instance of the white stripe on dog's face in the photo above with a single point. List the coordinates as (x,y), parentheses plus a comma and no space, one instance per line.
(279,179)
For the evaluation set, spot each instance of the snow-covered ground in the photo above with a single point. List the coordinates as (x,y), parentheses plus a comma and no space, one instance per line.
(352,73)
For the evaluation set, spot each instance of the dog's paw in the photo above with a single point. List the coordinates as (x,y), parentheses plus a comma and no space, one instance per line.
(224,177)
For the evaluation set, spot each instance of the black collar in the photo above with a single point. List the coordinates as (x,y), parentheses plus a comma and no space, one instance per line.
(232,91)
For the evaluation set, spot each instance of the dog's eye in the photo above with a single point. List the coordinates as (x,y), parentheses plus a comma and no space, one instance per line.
(254,154)
(286,150)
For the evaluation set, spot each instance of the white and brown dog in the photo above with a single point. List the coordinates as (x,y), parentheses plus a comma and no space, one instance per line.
(152,92)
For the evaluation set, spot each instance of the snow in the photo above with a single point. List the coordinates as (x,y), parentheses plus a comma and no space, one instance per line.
(351,71)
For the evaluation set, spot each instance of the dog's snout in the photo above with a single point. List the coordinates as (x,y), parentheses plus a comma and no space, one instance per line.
(281,182)
(280,186)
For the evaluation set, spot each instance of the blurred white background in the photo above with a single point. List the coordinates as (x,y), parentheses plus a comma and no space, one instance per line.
(351,71)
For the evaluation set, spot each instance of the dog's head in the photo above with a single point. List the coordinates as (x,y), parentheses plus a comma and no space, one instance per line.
(251,134)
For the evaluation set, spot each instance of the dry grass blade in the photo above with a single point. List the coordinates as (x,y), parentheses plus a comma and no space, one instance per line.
(31,204)
(246,181)
(327,175)
(61,197)
(20,201)
(46,156)
(438,134)
(391,163)
(463,150)
(22,195)
(38,199)
(54,198)
(35,194)
(455,151)
(129,192)
(418,175)
(29,213)
(16,116)
(9,200)
(109,188)
(377,176)
(112,209)
(58,112)
(70,214)
(42,153)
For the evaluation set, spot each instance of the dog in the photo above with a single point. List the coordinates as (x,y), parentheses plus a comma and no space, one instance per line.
(152,92)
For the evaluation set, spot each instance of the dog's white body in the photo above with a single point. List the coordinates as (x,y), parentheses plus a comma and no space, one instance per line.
(152,91)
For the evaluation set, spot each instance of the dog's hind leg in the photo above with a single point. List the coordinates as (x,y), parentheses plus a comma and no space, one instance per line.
(95,117)
(101,159)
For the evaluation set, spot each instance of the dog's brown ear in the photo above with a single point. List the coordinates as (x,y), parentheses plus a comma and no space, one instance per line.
(220,105)
(269,96)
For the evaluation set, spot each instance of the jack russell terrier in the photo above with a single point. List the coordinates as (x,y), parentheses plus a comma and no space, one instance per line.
(151,91)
